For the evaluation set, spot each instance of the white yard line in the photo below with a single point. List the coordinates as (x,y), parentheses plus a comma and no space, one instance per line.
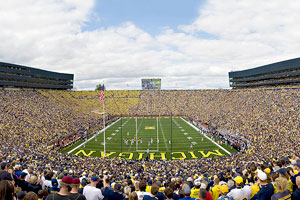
(94,136)
(163,133)
(197,129)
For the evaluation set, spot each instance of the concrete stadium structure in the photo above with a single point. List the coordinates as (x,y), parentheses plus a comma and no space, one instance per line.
(280,73)
(18,76)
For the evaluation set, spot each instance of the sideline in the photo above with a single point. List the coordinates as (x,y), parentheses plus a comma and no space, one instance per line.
(94,136)
(197,129)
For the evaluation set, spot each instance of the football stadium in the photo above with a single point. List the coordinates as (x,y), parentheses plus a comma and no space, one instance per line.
(99,107)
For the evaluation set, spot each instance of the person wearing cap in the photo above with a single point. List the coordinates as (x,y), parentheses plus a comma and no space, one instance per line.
(282,186)
(187,193)
(296,193)
(296,167)
(116,194)
(224,191)
(4,174)
(241,191)
(22,183)
(190,181)
(215,191)
(195,190)
(266,189)
(21,195)
(64,190)
(74,195)
(54,186)
(91,192)
(283,174)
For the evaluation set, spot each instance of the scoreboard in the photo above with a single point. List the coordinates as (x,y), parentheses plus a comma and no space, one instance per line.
(151,84)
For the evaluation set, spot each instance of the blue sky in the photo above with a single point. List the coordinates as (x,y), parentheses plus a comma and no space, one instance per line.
(189,44)
(151,16)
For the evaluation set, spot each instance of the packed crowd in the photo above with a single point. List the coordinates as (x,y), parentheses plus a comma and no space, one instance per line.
(268,119)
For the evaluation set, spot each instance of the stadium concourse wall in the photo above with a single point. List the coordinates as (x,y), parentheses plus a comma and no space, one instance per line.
(276,74)
(18,76)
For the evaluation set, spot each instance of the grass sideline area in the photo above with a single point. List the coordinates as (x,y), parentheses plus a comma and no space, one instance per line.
(183,142)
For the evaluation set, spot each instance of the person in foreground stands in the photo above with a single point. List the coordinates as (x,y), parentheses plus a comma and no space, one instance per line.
(152,196)
(63,193)
(215,191)
(296,193)
(74,195)
(224,191)
(4,174)
(187,193)
(7,190)
(240,192)
(266,190)
(208,195)
(142,192)
(91,192)
(281,185)
(202,194)
(168,193)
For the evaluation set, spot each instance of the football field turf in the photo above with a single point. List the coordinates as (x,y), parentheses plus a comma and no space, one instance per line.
(151,138)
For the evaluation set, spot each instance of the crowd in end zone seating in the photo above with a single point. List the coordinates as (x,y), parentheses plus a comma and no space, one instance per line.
(268,169)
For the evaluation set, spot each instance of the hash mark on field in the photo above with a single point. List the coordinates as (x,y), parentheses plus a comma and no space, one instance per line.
(189,138)
(185,133)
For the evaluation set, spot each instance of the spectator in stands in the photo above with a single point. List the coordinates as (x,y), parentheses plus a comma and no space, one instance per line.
(169,193)
(266,190)
(33,186)
(4,175)
(31,196)
(240,191)
(127,191)
(202,194)
(64,190)
(142,192)
(215,190)
(296,193)
(133,196)
(281,185)
(154,192)
(74,195)
(187,193)
(91,192)
(6,190)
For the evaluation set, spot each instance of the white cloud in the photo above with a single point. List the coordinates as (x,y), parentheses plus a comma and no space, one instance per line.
(48,34)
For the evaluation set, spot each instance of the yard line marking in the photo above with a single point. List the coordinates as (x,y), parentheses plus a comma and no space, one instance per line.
(197,129)
(163,133)
(93,136)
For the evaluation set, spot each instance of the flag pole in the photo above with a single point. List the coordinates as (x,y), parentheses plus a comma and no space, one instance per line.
(104,129)
(171,135)
(121,134)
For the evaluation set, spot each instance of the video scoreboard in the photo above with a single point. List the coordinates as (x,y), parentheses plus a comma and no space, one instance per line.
(151,84)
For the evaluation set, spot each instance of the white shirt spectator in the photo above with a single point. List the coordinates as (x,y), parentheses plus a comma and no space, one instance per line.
(92,193)
(142,194)
(241,193)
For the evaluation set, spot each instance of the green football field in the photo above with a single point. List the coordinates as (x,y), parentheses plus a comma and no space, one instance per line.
(150,138)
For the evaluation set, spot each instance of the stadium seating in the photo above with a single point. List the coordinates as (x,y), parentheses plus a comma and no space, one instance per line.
(268,118)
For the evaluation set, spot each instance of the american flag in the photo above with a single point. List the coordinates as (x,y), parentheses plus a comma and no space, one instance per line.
(102,94)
